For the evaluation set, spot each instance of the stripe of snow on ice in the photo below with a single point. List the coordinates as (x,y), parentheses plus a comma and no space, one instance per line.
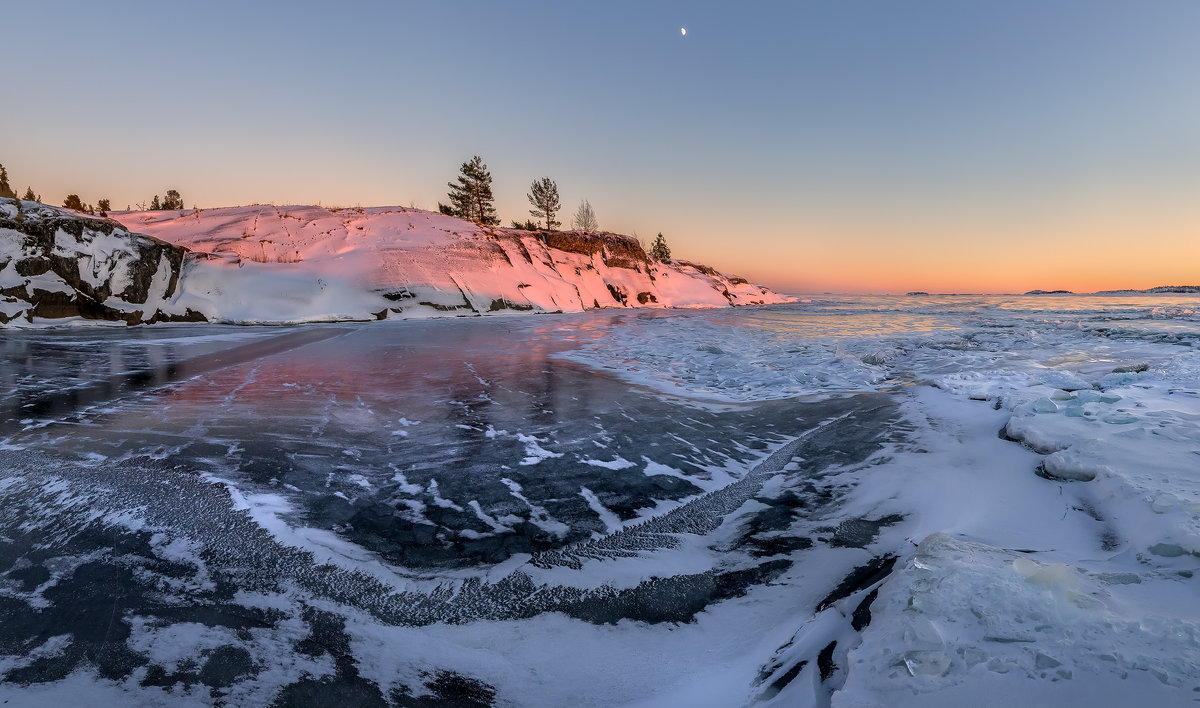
(438,499)
(485,518)
(539,516)
(405,486)
(535,453)
(653,469)
(611,521)
(617,463)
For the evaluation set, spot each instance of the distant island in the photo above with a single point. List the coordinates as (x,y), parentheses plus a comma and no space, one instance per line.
(1154,291)
(1161,289)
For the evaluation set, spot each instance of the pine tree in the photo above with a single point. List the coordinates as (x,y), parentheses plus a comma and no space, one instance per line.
(74,202)
(172,200)
(543,195)
(155,205)
(104,205)
(585,218)
(5,190)
(29,196)
(471,197)
(660,251)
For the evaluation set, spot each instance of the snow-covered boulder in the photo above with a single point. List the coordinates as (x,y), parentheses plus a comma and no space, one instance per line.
(57,264)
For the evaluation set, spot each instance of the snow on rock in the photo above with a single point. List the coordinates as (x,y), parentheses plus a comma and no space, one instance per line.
(57,264)
(296,263)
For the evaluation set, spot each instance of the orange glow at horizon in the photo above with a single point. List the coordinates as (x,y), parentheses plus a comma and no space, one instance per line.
(1105,248)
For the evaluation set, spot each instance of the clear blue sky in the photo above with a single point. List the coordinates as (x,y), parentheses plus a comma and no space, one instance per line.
(840,145)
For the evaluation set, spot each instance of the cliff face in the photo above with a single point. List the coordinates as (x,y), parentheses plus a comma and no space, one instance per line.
(56,264)
(266,264)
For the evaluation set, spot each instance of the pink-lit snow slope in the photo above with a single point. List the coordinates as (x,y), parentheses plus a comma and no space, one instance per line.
(397,262)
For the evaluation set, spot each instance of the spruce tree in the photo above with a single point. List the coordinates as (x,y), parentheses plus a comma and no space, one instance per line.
(543,195)
(471,197)
(155,205)
(29,196)
(660,251)
(74,202)
(5,189)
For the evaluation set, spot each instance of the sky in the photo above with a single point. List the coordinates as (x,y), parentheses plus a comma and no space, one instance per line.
(840,146)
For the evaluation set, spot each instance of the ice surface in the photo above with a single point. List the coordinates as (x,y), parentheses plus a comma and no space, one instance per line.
(849,502)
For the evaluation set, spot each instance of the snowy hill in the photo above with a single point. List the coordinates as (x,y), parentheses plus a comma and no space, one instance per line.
(417,263)
(267,264)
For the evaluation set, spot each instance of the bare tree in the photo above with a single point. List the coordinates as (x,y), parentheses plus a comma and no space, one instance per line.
(585,218)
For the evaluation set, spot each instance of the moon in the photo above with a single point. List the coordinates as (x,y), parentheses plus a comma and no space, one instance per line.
(683,31)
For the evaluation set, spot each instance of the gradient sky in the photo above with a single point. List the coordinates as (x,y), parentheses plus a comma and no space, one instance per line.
(812,146)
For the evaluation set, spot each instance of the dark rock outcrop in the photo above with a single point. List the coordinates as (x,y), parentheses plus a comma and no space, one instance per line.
(56,264)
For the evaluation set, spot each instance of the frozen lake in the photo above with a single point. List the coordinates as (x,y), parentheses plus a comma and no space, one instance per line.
(796,505)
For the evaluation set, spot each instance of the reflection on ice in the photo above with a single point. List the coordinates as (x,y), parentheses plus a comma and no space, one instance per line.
(409,440)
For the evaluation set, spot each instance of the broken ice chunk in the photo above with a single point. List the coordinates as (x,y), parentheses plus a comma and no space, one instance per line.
(1052,575)
(1064,380)
(1075,464)
(1045,405)
(1120,418)
(925,654)
(1164,502)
